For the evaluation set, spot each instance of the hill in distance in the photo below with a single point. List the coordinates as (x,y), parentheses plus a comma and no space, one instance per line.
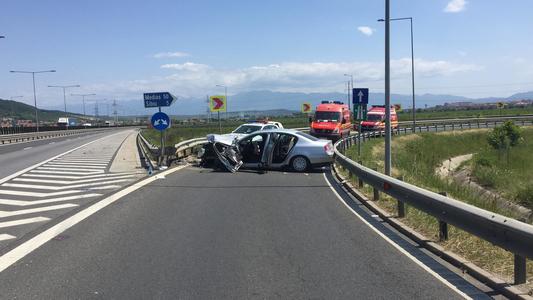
(22,111)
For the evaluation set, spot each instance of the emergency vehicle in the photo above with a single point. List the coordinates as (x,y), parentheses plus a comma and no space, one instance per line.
(332,120)
(375,119)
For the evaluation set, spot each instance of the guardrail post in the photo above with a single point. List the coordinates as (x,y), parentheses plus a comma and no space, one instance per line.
(376,191)
(400,204)
(443,226)
(453,126)
(360,181)
(461,125)
(470,125)
(427,128)
(519,269)
(478,125)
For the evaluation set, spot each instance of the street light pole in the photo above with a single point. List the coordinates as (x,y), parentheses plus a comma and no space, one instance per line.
(34,92)
(351,91)
(83,100)
(64,87)
(412,65)
(387,91)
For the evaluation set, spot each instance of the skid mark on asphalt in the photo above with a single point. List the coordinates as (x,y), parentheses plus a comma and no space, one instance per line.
(56,187)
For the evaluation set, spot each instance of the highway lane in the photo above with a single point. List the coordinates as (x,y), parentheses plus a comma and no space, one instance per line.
(211,235)
(15,157)
(49,182)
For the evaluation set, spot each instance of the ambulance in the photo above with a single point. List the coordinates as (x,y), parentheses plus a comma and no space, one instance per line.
(332,120)
(375,119)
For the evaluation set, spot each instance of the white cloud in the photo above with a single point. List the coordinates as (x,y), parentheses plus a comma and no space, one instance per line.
(455,6)
(195,80)
(366,30)
(188,66)
(171,54)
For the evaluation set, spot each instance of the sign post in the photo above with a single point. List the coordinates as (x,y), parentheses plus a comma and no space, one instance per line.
(360,101)
(217,104)
(160,121)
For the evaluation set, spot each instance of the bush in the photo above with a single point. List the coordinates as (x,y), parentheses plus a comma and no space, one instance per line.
(482,161)
(525,196)
(485,175)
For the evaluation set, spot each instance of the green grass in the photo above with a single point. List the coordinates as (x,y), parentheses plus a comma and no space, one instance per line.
(510,175)
(474,113)
(415,158)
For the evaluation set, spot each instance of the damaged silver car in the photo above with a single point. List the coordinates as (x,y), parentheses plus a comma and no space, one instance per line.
(268,149)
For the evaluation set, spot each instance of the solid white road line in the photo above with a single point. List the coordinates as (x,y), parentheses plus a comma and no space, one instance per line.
(88,166)
(41,195)
(67,173)
(51,200)
(4,214)
(23,222)
(4,237)
(80,161)
(61,187)
(86,163)
(16,174)
(27,148)
(73,169)
(30,245)
(75,177)
(46,201)
(403,251)
(23,179)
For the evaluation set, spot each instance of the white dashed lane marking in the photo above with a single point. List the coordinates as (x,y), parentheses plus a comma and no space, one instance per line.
(41,192)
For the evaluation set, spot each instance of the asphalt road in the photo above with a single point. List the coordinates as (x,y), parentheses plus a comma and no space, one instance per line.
(199,234)
(15,157)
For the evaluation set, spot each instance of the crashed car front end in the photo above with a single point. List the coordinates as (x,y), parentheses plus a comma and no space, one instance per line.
(221,151)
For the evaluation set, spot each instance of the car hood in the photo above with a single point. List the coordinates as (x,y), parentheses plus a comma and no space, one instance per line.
(226,139)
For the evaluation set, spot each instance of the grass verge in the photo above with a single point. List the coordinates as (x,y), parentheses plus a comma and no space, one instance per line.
(415,158)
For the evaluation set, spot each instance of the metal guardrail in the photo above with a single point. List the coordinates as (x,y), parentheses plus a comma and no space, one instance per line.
(21,137)
(186,148)
(504,232)
(145,153)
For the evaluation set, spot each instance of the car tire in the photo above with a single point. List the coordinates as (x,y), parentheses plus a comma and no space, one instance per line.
(300,163)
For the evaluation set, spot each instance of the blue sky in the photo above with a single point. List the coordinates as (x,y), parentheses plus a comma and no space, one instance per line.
(119,49)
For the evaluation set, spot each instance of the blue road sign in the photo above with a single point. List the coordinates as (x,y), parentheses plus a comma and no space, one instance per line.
(160,121)
(158,99)
(360,96)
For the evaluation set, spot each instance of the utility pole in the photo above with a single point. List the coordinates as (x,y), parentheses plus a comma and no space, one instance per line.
(34,92)
(387,91)
(115,111)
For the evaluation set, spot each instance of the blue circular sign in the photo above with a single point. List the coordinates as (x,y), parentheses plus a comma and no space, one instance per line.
(160,121)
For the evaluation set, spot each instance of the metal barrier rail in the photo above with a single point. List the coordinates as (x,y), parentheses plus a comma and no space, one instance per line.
(21,137)
(504,232)
(145,153)
(186,148)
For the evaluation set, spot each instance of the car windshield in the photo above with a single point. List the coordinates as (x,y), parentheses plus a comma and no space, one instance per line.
(374,117)
(323,116)
(247,129)
(312,138)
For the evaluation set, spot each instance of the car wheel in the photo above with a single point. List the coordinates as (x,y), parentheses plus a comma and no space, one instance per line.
(299,164)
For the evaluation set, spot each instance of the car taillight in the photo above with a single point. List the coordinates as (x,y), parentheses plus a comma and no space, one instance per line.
(328,148)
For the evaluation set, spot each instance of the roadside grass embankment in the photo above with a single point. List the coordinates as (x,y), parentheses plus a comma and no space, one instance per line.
(472,113)
(415,159)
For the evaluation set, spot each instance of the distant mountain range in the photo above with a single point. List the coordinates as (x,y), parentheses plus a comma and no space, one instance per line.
(268,100)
